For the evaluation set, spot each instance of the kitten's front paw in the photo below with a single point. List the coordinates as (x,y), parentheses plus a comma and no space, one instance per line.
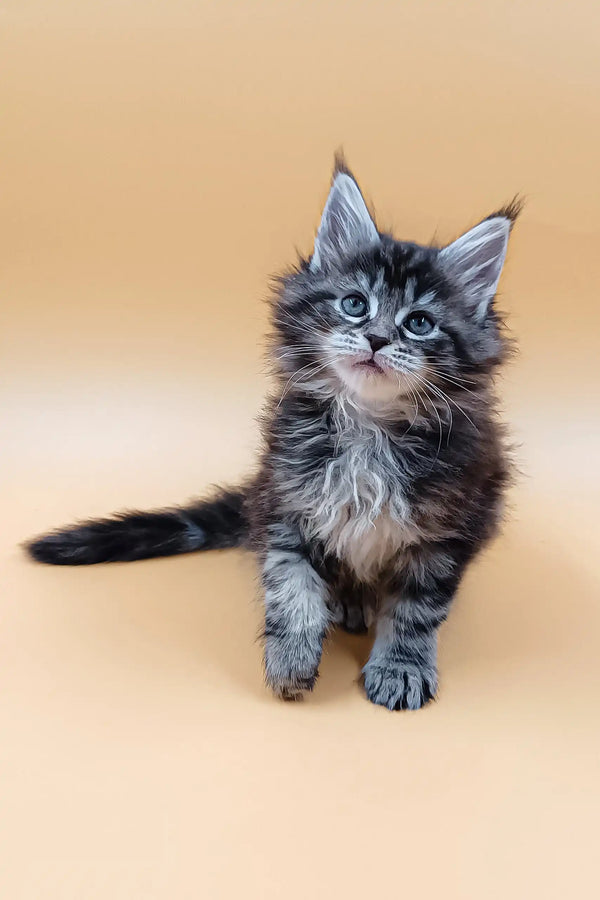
(290,675)
(293,689)
(400,685)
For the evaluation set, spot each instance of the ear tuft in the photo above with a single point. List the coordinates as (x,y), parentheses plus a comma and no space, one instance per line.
(340,166)
(346,224)
(510,211)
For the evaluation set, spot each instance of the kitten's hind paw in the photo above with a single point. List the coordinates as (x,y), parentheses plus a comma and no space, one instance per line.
(399,685)
(353,621)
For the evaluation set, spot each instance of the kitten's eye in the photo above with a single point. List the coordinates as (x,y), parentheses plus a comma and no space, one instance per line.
(419,324)
(354,305)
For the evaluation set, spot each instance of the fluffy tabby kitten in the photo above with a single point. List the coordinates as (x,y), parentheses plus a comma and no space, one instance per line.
(383,466)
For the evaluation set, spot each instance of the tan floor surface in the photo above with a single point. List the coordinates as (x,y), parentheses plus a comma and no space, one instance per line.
(159,160)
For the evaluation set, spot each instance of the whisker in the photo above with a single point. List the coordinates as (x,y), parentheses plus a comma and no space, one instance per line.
(456,378)
(457,383)
(446,398)
(415,400)
(440,427)
(439,393)
(308,371)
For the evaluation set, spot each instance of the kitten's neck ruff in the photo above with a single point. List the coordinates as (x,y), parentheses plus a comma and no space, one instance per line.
(350,407)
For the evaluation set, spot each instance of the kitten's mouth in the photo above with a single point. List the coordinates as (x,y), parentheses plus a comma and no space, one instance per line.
(369,365)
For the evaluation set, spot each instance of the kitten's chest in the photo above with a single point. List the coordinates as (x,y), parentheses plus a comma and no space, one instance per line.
(358,505)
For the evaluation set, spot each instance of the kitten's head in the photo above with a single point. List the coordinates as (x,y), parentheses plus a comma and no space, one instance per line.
(385,320)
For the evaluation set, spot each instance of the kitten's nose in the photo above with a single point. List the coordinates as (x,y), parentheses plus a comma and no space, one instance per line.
(377,342)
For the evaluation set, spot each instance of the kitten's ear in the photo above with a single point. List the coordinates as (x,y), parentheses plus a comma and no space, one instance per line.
(475,260)
(346,224)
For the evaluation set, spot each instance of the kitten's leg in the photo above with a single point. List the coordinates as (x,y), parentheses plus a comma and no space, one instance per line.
(401,672)
(348,615)
(296,617)
(351,603)
(354,621)
(357,602)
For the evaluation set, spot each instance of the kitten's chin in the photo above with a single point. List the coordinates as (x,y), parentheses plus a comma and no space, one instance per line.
(371,384)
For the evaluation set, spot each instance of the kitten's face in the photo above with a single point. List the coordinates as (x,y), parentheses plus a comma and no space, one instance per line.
(385,338)
(387,326)
(385,320)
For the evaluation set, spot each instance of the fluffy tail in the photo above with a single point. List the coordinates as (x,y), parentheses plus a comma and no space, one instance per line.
(206,525)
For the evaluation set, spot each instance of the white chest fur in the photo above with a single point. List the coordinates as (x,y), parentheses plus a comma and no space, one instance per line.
(356,504)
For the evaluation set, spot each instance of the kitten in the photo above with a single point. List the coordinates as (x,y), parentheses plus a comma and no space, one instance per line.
(383,466)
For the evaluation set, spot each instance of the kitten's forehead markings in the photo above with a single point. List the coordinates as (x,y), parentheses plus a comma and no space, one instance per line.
(364,282)
(378,284)
(407,300)
(410,300)
(374,291)
(426,298)
(371,289)
(409,291)
(373,305)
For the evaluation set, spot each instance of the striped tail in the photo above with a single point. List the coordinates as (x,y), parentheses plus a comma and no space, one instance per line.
(211,524)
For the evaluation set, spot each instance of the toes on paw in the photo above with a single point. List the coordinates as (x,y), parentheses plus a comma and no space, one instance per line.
(398,688)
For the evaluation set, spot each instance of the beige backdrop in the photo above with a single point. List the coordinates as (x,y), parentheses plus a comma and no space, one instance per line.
(159,161)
